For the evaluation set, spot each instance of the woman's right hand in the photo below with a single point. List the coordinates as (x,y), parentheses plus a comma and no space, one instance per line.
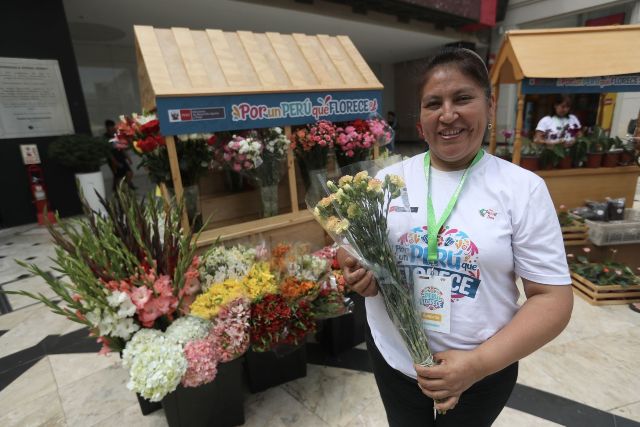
(359,279)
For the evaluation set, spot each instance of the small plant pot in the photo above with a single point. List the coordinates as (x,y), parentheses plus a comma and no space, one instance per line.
(594,160)
(530,163)
(565,163)
(626,158)
(611,159)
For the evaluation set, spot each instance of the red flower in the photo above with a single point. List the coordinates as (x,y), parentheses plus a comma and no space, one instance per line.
(212,140)
(150,128)
(148,144)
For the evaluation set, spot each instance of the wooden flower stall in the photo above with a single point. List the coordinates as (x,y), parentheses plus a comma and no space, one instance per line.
(571,60)
(204,81)
(604,294)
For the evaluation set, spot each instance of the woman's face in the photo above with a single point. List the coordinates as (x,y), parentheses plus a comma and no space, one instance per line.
(562,109)
(454,113)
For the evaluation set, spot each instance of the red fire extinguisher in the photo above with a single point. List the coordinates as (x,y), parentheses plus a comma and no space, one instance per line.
(39,194)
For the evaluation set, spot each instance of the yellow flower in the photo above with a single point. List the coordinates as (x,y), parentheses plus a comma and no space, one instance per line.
(353,210)
(347,179)
(208,305)
(332,223)
(332,186)
(397,181)
(374,186)
(326,202)
(260,281)
(361,176)
(342,226)
(340,196)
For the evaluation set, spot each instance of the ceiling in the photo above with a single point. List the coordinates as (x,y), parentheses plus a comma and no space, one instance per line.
(380,38)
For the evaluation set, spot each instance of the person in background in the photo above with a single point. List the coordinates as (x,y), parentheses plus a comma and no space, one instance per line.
(559,126)
(500,223)
(119,162)
(393,123)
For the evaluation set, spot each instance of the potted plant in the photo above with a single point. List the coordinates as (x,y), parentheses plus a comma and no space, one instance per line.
(597,144)
(612,156)
(84,154)
(551,155)
(577,152)
(530,159)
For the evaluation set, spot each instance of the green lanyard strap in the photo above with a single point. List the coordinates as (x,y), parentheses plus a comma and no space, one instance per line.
(433,226)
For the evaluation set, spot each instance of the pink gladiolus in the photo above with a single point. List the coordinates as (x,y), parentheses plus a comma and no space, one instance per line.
(191,282)
(140,296)
(162,286)
(105,350)
(149,313)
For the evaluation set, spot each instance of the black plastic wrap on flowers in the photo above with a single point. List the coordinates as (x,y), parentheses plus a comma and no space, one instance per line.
(353,210)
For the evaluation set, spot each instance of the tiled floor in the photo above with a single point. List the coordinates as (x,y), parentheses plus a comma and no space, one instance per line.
(588,376)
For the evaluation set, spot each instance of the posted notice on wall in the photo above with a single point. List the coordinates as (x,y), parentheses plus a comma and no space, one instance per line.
(32,99)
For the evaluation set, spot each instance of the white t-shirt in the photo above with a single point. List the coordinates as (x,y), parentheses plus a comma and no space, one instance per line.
(504,225)
(555,126)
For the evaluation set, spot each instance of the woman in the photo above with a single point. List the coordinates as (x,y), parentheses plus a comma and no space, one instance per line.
(503,225)
(559,126)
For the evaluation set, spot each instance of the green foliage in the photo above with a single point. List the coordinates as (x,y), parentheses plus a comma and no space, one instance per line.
(81,153)
(568,220)
(578,151)
(194,157)
(551,155)
(604,273)
(597,141)
(134,237)
(530,148)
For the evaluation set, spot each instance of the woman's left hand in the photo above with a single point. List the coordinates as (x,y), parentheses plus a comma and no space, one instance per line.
(456,372)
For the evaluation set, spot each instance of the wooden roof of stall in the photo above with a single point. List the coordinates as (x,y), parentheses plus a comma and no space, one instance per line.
(568,52)
(184,62)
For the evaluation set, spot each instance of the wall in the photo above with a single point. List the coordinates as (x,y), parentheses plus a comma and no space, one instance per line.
(38,29)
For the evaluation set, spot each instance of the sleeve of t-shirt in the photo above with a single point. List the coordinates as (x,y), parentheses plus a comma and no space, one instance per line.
(544,124)
(538,248)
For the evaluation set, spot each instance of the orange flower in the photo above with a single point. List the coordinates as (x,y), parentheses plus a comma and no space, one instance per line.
(292,288)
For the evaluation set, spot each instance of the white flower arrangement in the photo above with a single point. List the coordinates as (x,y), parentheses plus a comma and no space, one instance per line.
(309,268)
(220,264)
(156,367)
(188,328)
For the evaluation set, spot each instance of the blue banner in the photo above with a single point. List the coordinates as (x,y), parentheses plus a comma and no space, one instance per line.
(621,83)
(196,114)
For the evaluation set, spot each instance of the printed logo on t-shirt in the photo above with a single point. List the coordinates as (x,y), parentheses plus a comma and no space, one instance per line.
(457,258)
(488,213)
(431,298)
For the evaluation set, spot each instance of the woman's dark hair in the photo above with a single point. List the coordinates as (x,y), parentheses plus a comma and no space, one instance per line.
(466,61)
(557,100)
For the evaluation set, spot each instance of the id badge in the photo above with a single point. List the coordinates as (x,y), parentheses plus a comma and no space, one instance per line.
(433,301)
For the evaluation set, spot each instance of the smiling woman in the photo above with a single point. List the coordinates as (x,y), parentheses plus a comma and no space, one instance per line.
(476,222)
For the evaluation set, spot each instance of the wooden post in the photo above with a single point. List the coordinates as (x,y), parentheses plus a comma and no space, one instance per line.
(176,178)
(517,142)
(376,151)
(494,120)
(291,169)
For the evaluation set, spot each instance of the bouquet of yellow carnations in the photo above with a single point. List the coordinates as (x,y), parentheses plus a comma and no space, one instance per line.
(354,211)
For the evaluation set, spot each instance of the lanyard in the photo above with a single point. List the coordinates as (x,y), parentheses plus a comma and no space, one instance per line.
(433,226)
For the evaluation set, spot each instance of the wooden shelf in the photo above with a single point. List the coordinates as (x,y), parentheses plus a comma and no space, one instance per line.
(295,226)
(589,171)
(571,187)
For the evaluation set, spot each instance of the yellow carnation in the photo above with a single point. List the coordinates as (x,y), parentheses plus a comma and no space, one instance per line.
(347,179)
